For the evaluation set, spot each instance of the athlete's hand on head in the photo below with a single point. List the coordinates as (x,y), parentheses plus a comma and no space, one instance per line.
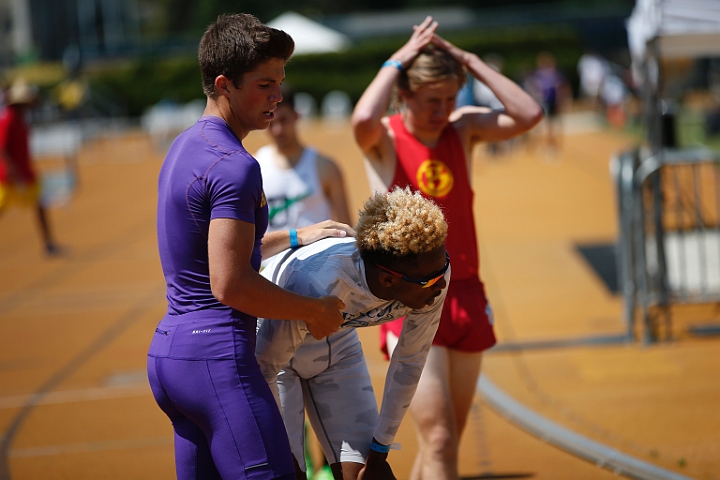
(327,318)
(457,53)
(420,38)
(325,229)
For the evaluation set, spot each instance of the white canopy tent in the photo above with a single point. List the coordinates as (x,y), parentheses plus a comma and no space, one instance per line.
(310,36)
(668,29)
(683,28)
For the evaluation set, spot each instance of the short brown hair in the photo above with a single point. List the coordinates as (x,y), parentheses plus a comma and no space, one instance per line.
(237,44)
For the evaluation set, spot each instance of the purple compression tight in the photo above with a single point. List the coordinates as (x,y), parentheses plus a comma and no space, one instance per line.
(204,376)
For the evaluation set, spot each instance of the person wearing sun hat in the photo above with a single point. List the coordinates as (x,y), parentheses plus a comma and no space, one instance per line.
(19,183)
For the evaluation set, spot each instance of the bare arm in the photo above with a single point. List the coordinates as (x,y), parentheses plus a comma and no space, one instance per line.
(236,284)
(419,328)
(275,242)
(521,112)
(333,186)
(373,104)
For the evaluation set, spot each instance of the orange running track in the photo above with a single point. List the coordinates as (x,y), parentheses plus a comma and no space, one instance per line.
(74,331)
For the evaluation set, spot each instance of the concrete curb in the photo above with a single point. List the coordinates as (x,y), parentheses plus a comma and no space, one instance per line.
(597,453)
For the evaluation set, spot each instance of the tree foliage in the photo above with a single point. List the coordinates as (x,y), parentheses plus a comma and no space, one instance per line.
(178,78)
(192,16)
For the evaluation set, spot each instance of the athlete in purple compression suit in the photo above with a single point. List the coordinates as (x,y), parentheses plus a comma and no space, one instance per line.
(209,343)
(212,215)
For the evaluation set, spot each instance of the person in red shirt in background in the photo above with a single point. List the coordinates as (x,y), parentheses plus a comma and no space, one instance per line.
(428,147)
(19,182)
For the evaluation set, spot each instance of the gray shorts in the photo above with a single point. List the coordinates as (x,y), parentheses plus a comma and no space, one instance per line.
(329,379)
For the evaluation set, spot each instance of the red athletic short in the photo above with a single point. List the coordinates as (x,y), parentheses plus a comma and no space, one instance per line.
(466,323)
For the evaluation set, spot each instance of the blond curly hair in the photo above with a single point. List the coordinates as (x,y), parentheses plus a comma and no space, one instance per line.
(400,223)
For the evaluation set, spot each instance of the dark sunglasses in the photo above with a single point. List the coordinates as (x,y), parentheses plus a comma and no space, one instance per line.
(425,282)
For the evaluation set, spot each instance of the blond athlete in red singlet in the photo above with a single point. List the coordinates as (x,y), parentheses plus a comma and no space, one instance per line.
(428,146)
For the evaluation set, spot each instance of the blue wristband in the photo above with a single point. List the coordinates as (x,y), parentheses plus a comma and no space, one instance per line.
(376,447)
(293,238)
(393,63)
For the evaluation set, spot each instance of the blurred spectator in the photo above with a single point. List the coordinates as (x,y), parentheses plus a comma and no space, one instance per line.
(476,93)
(550,88)
(71,95)
(302,186)
(466,95)
(19,182)
(602,83)
(614,95)
(592,70)
(485,97)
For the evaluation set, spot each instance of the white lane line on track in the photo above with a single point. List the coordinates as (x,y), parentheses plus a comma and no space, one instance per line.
(574,443)
(91,447)
(71,396)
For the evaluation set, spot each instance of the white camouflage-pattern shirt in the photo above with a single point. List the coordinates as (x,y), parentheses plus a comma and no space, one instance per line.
(334,267)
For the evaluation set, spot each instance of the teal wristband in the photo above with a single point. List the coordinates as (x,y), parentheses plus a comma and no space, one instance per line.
(293,238)
(376,447)
(393,63)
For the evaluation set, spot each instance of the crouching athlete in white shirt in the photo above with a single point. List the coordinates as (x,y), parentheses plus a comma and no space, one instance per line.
(396,267)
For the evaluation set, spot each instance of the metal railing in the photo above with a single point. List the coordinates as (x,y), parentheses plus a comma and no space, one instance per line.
(669,245)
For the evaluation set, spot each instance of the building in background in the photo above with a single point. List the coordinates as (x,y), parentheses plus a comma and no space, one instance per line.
(70,30)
